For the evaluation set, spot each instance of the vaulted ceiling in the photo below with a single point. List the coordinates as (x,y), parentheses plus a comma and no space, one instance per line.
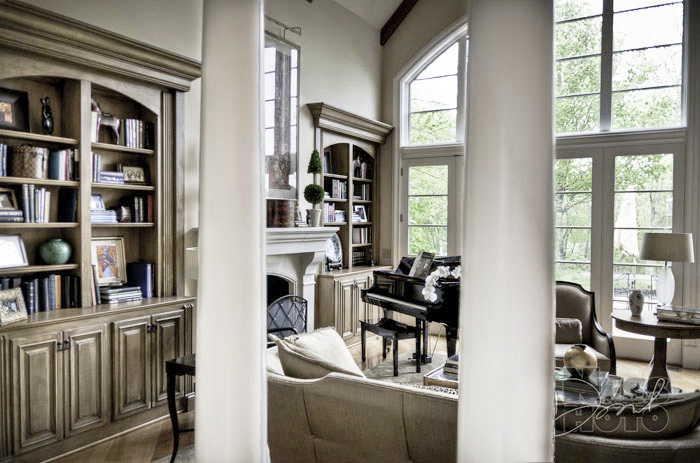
(375,12)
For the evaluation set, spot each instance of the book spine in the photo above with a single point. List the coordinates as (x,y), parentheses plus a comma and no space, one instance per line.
(25,202)
(97,286)
(58,291)
(32,198)
(51,285)
(10,213)
(35,285)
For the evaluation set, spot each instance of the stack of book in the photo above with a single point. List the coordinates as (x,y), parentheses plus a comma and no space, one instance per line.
(63,164)
(358,257)
(114,178)
(46,293)
(36,204)
(103,216)
(3,160)
(451,368)
(133,133)
(11,216)
(117,294)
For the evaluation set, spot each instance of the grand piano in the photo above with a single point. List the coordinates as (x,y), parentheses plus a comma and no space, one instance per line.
(395,291)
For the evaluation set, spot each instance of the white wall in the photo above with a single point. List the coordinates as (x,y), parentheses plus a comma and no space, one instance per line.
(341,62)
(425,21)
(174,25)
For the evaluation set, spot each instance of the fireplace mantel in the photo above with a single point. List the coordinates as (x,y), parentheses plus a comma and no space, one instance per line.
(297,254)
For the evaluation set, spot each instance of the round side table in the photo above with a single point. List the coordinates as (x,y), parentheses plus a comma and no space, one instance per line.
(649,325)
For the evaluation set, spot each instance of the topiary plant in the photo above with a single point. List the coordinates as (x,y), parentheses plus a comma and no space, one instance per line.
(314,193)
(315,166)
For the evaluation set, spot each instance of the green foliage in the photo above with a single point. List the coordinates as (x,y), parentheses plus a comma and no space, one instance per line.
(433,127)
(427,210)
(315,166)
(314,193)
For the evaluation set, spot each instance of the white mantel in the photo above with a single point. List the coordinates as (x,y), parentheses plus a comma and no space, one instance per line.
(296,255)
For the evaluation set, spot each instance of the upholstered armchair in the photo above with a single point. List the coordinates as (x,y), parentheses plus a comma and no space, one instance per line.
(574,302)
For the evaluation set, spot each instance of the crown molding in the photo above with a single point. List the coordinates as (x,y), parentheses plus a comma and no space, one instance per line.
(35,30)
(338,120)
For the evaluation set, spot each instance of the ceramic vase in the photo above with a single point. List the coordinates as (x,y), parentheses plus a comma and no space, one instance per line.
(580,361)
(315,215)
(636,299)
(55,252)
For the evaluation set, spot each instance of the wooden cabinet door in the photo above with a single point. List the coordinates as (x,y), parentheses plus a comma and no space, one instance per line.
(361,309)
(37,391)
(168,343)
(344,319)
(131,359)
(85,378)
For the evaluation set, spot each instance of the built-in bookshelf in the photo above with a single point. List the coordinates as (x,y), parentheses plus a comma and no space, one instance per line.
(349,145)
(72,104)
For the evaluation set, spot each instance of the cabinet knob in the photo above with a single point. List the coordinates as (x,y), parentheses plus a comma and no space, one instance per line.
(66,344)
(59,347)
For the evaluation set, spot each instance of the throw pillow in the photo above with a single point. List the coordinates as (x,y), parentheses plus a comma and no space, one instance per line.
(273,361)
(568,331)
(327,344)
(302,364)
(667,415)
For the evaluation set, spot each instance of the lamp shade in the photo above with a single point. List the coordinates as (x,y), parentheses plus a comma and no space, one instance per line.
(673,247)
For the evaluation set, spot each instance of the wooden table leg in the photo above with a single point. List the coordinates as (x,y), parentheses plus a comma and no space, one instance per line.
(658,379)
(173,414)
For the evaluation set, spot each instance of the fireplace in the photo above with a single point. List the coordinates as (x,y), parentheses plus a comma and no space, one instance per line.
(294,257)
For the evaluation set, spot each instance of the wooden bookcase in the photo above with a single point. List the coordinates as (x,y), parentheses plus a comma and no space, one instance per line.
(349,141)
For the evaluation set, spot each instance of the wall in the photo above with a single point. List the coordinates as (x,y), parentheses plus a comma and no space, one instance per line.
(174,25)
(425,21)
(341,62)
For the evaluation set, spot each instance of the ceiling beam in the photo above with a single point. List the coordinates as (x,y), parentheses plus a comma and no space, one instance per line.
(396,19)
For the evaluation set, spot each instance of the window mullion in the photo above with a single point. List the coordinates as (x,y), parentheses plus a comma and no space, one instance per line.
(462,89)
(606,67)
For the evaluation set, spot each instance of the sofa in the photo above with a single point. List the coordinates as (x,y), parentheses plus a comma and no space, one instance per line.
(342,418)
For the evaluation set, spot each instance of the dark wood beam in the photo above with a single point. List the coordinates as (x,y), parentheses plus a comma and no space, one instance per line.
(396,19)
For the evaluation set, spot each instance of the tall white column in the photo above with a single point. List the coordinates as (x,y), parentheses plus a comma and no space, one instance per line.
(230,415)
(507,311)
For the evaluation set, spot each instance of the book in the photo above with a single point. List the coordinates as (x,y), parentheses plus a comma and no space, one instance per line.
(32,203)
(594,384)
(96,288)
(25,202)
(11,213)
(141,274)
(51,289)
(19,219)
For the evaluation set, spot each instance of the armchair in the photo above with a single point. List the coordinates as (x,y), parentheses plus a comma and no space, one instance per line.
(572,301)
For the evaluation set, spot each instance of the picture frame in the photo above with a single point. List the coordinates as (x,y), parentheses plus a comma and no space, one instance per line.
(12,306)
(339,216)
(8,201)
(12,251)
(108,254)
(97,203)
(361,213)
(14,110)
(135,173)
(422,264)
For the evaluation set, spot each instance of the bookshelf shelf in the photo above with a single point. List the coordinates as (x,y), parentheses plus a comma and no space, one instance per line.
(361,245)
(124,225)
(36,137)
(338,176)
(37,269)
(31,226)
(109,186)
(120,148)
(364,180)
(361,224)
(37,181)
(362,201)
(334,224)
(335,200)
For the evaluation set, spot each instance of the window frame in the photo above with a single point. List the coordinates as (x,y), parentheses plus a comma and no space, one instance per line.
(607,54)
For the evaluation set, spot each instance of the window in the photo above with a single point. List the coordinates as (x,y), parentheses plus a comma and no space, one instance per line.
(427,209)
(436,109)
(573,201)
(643,203)
(619,64)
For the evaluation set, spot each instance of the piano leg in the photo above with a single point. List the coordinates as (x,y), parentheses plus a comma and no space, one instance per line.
(363,337)
(384,350)
(423,330)
(396,355)
(418,335)
(451,337)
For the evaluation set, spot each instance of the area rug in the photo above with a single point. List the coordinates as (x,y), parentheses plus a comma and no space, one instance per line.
(407,369)
(185,455)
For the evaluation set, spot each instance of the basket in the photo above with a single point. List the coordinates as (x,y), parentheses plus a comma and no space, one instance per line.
(29,162)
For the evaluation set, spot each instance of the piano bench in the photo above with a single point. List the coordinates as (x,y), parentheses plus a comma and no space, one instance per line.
(396,331)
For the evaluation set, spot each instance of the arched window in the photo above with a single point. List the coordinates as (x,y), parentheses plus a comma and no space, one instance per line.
(431,148)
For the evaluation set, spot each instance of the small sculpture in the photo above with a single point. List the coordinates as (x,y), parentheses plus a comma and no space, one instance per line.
(580,362)
(104,119)
(46,116)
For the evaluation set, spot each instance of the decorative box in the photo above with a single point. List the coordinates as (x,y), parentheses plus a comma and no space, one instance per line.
(29,162)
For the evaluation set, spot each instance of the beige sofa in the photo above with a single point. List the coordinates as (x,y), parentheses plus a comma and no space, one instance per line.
(342,418)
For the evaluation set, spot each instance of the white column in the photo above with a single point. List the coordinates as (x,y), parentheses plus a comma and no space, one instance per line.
(230,415)
(507,311)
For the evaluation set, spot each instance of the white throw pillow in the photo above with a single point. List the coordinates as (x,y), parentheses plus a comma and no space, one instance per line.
(273,361)
(327,344)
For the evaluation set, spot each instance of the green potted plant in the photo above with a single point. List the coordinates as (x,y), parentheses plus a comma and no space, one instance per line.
(313,192)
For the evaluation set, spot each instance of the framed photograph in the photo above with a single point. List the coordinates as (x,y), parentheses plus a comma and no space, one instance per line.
(361,213)
(7,199)
(339,216)
(109,257)
(97,203)
(422,264)
(12,308)
(135,173)
(14,110)
(12,251)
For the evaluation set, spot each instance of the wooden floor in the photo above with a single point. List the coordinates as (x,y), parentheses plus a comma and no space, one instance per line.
(155,441)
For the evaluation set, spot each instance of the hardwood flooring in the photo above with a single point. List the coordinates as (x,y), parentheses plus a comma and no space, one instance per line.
(155,441)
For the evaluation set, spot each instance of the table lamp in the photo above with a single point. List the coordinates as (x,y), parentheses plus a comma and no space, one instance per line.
(667,247)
